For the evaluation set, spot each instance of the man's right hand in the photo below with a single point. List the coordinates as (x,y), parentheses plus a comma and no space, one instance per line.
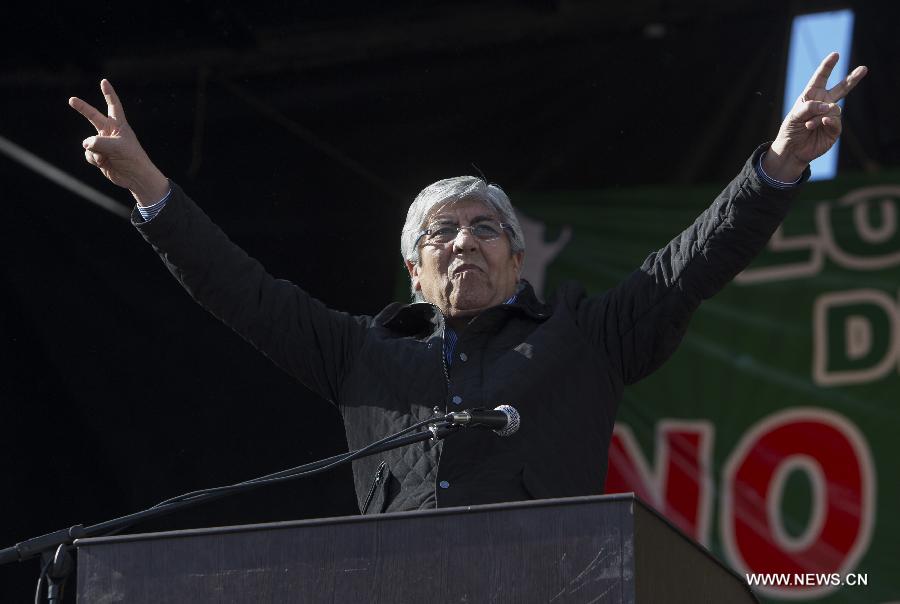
(116,150)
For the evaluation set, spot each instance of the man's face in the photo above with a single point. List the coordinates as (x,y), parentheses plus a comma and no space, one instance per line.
(466,275)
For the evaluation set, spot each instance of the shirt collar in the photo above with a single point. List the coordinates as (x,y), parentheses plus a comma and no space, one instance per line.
(421,316)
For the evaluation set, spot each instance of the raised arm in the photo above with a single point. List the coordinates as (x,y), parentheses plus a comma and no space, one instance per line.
(311,342)
(640,322)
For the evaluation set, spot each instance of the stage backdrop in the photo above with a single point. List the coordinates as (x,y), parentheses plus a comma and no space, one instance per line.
(771,436)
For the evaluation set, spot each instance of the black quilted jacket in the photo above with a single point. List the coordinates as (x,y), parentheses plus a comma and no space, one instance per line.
(563,364)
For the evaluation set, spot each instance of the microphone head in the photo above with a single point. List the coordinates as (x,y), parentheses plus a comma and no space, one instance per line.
(512,416)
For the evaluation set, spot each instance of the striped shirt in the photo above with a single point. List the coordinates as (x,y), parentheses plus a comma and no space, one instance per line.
(451,338)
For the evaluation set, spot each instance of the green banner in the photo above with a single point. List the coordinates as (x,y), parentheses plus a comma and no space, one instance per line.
(771,435)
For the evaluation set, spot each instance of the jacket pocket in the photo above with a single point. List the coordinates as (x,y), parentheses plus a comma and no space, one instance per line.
(533,485)
(376,498)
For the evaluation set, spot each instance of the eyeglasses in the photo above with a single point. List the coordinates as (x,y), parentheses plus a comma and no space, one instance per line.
(444,232)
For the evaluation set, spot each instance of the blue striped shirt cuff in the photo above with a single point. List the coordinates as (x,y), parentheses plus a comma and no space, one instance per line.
(150,212)
(776,184)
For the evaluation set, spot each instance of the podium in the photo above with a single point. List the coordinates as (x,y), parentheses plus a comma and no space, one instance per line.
(583,549)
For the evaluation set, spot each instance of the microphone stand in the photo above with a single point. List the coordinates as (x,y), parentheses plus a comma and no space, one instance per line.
(57,564)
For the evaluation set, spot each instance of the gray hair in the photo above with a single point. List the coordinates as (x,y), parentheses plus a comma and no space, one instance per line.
(450,190)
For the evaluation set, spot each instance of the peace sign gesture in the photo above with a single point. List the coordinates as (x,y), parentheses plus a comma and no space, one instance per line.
(116,151)
(813,124)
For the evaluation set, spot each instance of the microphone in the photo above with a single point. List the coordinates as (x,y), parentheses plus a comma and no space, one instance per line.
(504,420)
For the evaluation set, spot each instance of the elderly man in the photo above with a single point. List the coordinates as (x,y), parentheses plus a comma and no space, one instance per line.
(476,335)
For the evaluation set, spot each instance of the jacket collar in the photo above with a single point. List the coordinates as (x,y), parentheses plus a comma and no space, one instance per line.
(423,317)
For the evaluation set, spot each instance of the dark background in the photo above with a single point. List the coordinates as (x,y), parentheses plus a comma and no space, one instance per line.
(305,129)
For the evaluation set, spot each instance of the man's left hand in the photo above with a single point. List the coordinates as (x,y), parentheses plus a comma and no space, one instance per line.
(813,124)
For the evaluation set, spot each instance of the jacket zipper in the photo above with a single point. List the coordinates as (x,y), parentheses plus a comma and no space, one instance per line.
(379,474)
(440,450)
(444,363)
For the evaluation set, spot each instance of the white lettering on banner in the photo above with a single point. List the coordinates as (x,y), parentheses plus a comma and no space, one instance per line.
(869,351)
(881,241)
(861,201)
(842,474)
